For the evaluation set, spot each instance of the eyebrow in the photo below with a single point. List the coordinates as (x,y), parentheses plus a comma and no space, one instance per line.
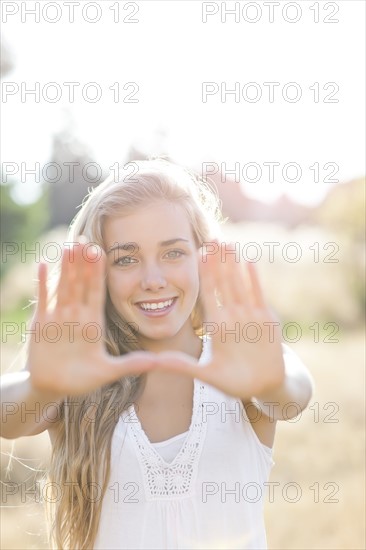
(134,246)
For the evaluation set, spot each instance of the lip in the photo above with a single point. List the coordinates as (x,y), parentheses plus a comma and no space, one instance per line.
(157,312)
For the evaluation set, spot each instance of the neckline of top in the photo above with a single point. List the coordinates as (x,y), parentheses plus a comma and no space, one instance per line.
(136,424)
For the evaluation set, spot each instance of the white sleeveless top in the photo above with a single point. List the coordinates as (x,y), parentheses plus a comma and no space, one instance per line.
(203,489)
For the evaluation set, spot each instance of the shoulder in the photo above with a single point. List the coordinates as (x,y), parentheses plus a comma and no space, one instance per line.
(263,425)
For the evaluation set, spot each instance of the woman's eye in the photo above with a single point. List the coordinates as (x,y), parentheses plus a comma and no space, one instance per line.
(124,260)
(175,254)
(129,260)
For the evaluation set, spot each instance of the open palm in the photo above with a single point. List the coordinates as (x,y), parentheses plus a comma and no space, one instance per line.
(247,356)
(67,355)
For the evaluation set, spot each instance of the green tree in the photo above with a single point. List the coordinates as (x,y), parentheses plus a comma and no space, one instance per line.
(19,223)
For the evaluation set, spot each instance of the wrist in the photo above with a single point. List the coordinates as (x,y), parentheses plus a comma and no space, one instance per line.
(40,392)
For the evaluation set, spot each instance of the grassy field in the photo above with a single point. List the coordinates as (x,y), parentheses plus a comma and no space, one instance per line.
(319,499)
(324,450)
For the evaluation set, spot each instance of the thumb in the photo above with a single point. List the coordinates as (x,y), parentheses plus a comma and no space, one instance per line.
(133,363)
(177,361)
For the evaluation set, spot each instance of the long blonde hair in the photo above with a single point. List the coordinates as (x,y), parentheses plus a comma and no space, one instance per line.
(81,451)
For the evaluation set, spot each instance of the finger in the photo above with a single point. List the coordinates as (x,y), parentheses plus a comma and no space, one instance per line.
(237,290)
(95,281)
(77,274)
(207,287)
(222,270)
(63,290)
(238,285)
(133,363)
(178,362)
(181,363)
(42,288)
(257,294)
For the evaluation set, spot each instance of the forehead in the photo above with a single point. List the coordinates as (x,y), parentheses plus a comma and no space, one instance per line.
(149,225)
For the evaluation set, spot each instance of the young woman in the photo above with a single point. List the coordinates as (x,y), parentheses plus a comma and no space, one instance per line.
(159,371)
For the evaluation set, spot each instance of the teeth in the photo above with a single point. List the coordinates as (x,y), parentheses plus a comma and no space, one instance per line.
(160,305)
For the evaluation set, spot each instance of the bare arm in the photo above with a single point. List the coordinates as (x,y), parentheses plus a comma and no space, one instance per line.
(292,395)
(24,410)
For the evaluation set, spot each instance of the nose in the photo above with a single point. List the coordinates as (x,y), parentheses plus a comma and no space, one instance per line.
(153,278)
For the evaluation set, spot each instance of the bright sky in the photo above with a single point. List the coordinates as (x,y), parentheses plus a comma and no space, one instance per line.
(169,53)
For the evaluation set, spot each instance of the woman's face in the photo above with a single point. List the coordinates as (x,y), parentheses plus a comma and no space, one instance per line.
(153,282)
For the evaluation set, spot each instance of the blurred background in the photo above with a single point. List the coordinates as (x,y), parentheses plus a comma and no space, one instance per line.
(168,52)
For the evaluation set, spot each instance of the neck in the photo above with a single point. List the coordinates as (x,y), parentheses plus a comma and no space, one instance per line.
(161,383)
(188,343)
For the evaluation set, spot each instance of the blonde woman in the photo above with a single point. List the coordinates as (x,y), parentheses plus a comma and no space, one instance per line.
(160,419)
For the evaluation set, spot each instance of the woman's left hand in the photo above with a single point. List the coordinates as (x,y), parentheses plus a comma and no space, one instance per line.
(247,357)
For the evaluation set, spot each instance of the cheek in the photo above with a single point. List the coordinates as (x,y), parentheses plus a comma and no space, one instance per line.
(118,287)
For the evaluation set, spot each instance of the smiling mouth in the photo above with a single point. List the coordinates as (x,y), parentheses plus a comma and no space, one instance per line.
(157,306)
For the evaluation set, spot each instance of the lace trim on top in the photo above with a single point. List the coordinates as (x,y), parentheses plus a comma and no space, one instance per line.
(163,480)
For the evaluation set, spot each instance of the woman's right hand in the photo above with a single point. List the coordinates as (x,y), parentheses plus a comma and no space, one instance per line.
(67,354)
